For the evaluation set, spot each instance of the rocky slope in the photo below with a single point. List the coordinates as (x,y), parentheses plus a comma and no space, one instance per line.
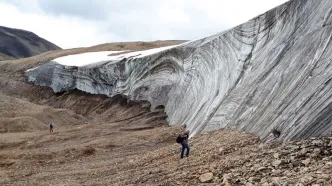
(273,71)
(110,154)
(16,43)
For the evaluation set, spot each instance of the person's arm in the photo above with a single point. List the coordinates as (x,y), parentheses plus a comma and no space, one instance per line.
(185,134)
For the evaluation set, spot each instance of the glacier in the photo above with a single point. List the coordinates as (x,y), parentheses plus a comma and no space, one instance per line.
(272,72)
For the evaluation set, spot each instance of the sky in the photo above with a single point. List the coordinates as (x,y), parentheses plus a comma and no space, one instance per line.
(81,23)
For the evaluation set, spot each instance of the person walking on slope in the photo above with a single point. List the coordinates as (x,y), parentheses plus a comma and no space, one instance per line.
(51,127)
(184,142)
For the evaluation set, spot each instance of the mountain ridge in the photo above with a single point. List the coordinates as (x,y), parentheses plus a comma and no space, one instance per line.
(18,43)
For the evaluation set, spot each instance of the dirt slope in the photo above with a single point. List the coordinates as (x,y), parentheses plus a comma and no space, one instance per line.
(18,115)
(105,154)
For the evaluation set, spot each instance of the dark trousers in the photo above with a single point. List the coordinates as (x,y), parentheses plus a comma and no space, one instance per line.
(185,146)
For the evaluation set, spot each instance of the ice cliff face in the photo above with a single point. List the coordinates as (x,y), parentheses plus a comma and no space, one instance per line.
(273,71)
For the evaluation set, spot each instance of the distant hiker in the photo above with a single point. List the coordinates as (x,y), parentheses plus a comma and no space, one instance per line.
(272,139)
(276,133)
(51,127)
(183,140)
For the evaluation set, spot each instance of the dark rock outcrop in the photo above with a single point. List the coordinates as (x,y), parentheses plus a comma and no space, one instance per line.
(18,43)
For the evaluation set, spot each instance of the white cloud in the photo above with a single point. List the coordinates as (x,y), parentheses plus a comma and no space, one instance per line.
(64,31)
(78,23)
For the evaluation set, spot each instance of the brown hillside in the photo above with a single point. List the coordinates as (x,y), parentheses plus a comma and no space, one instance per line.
(20,116)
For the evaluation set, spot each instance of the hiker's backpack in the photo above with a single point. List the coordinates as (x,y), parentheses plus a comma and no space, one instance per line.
(179,139)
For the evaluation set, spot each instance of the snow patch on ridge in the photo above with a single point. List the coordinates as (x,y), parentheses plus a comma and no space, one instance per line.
(85,58)
(104,56)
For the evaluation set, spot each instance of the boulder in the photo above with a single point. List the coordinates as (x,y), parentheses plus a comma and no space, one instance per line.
(207,177)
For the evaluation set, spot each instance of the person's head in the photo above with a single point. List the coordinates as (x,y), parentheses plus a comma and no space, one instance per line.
(184,126)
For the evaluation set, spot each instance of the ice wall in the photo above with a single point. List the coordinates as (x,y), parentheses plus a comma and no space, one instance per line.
(273,71)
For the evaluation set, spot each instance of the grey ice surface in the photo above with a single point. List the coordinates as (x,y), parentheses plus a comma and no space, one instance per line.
(273,71)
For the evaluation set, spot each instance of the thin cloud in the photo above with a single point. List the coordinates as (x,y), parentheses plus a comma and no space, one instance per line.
(86,9)
(78,23)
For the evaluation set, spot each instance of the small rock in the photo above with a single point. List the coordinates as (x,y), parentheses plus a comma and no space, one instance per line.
(256,165)
(169,183)
(213,165)
(317,142)
(326,152)
(276,180)
(266,163)
(226,179)
(306,162)
(266,184)
(288,173)
(320,181)
(207,177)
(291,165)
(285,183)
(276,155)
(276,171)
(304,151)
(263,180)
(326,159)
(215,156)
(237,174)
(294,147)
(261,168)
(324,176)
(317,150)
(305,169)
(306,179)
(276,163)
(254,179)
